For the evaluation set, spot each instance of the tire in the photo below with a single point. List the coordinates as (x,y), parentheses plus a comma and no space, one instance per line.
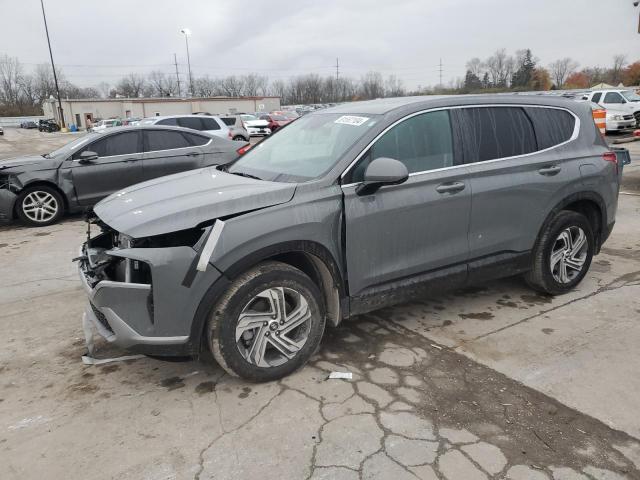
(570,262)
(39,206)
(237,350)
(239,138)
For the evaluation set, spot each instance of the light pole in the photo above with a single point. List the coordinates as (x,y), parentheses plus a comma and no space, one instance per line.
(55,77)
(187,33)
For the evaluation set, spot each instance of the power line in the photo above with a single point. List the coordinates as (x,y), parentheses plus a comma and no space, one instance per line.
(440,70)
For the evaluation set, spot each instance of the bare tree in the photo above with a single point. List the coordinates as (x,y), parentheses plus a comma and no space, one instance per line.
(233,86)
(394,87)
(131,86)
(10,73)
(162,85)
(619,62)
(561,69)
(372,85)
(500,68)
(105,89)
(476,66)
(279,89)
(207,87)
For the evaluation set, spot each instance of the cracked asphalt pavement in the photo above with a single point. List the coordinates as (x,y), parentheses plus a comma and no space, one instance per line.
(490,382)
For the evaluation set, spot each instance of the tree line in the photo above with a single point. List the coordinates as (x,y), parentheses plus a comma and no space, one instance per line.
(22,92)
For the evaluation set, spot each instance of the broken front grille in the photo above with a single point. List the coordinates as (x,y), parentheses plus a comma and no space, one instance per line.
(101,318)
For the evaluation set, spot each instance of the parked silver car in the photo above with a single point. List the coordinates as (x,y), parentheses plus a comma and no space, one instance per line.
(345,211)
(238,132)
(203,123)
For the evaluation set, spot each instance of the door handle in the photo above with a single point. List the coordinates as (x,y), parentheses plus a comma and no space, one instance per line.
(550,171)
(453,187)
(193,154)
(129,160)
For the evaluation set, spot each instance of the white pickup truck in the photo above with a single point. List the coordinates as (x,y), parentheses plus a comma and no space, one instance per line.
(623,107)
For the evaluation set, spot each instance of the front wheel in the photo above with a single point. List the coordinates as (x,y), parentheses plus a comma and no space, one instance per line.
(268,324)
(563,254)
(39,206)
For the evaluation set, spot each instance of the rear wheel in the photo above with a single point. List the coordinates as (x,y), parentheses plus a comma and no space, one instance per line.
(39,206)
(563,254)
(268,324)
(239,138)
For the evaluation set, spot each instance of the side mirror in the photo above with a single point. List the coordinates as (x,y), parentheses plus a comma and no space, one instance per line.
(380,172)
(88,156)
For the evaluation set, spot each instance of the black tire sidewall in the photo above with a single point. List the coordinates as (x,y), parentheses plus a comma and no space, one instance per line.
(26,220)
(239,138)
(223,330)
(563,222)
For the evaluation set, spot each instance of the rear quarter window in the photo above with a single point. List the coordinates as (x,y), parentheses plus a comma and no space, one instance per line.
(196,140)
(209,124)
(552,126)
(496,132)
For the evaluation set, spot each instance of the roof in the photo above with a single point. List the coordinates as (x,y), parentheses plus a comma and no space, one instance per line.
(163,99)
(386,105)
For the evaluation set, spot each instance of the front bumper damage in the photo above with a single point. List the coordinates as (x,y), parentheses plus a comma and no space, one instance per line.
(137,297)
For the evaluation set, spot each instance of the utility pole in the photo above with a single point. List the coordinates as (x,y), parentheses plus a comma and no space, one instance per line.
(440,70)
(53,66)
(175,61)
(337,70)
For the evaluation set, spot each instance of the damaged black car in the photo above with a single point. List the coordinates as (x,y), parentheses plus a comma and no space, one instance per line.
(39,190)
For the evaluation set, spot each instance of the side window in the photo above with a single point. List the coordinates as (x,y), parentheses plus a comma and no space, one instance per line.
(119,144)
(596,97)
(164,140)
(422,143)
(173,122)
(229,121)
(552,126)
(209,124)
(193,123)
(196,140)
(496,132)
(613,97)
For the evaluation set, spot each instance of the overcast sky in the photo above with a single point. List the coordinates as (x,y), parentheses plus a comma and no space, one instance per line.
(96,41)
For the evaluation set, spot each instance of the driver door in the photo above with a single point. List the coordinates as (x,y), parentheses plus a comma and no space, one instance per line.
(421,225)
(118,166)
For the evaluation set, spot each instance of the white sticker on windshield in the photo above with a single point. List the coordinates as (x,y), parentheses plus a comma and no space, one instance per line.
(351,120)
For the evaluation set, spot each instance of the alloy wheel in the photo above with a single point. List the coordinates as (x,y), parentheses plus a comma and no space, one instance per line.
(39,206)
(273,327)
(569,254)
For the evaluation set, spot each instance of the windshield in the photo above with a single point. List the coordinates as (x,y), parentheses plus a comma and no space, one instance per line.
(306,149)
(148,121)
(71,147)
(278,118)
(248,118)
(631,96)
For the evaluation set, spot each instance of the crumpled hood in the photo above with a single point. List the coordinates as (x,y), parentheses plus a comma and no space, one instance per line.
(184,200)
(29,163)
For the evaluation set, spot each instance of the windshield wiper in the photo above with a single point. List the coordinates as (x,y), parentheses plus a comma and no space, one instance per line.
(246,175)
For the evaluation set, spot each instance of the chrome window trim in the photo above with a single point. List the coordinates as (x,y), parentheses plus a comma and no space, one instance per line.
(574,135)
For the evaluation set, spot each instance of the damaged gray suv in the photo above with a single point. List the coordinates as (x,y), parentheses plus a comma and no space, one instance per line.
(345,211)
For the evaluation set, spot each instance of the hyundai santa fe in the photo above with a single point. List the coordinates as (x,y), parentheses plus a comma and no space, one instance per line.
(348,210)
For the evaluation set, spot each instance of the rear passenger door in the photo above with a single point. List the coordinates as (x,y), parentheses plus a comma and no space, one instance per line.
(421,225)
(170,151)
(517,171)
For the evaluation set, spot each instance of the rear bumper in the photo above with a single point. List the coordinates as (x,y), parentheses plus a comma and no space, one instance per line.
(613,125)
(7,202)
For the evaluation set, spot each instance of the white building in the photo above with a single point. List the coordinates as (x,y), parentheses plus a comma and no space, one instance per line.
(76,112)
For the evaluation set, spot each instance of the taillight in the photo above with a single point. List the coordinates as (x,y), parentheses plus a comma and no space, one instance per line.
(611,157)
(243,150)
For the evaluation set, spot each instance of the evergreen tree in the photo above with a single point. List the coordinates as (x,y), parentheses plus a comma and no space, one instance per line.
(472,82)
(523,75)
